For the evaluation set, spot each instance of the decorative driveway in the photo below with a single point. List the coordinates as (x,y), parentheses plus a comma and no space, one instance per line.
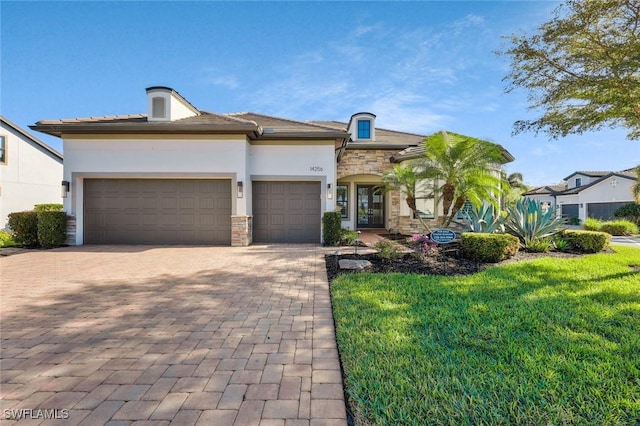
(169,335)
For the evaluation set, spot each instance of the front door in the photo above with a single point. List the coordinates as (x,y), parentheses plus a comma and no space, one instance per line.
(370,207)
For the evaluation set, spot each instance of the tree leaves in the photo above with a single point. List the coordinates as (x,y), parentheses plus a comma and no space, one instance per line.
(581,69)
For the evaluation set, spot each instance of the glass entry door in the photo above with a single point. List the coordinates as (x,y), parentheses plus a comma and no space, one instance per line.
(370,207)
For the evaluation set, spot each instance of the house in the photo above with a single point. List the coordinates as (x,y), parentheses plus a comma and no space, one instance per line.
(585,194)
(30,171)
(182,175)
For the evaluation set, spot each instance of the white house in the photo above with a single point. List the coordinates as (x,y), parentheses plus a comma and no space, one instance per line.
(585,194)
(182,175)
(30,171)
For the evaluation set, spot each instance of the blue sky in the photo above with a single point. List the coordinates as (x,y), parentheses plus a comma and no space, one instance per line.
(419,66)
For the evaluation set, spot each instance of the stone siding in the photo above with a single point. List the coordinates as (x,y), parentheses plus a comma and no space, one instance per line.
(365,162)
(241,231)
(71,231)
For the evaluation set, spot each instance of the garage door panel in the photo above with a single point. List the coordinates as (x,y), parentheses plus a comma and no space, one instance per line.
(286,212)
(157,211)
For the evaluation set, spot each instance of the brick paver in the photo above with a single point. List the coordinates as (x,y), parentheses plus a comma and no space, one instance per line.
(170,335)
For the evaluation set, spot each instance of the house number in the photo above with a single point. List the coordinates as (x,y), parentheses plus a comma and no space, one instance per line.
(315,168)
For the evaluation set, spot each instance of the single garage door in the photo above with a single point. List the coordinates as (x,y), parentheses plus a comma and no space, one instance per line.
(286,212)
(157,211)
(569,210)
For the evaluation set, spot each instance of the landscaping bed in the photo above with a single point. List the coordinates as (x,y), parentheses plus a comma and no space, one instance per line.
(450,264)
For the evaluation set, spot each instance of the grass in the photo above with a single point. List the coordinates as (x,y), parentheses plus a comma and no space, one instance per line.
(5,240)
(550,341)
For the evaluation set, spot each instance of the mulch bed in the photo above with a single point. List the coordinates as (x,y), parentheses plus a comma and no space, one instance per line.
(451,264)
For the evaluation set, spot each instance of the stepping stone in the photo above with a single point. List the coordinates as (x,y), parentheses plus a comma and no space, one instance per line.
(354,264)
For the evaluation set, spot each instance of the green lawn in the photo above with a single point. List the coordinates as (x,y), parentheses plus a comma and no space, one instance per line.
(550,341)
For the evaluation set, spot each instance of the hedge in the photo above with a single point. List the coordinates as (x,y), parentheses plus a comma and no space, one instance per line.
(24,228)
(619,227)
(52,228)
(490,248)
(332,228)
(52,207)
(587,241)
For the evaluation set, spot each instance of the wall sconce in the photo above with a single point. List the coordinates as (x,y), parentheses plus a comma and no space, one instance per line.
(240,190)
(329,191)
(65,188)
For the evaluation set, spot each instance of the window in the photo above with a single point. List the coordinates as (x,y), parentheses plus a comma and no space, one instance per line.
(364,129)
(578,182)
(3,150)
(157,108)
(342,200)
(425,203)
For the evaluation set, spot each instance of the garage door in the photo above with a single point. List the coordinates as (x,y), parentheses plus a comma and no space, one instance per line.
(286,212)
(603,210)
(569,210)
(157,211)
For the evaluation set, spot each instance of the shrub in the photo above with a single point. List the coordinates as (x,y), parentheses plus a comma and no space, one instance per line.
(348,237)
(6,240)
(543,245)
(388,250)
(489,247)
(422,244)
(630,212)
(561,244)
(592,224)
(619,227)
(24,228)
(574,221)
(47,208)
(52,228)
(332,225)
(587,241)
(530,223)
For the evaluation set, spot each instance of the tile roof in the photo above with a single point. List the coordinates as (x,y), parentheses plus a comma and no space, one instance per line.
(384,137)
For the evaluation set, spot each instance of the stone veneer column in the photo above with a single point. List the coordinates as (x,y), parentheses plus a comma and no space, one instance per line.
(71,231)
(241,231)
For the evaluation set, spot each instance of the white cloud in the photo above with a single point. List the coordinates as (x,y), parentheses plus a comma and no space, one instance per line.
(214,77)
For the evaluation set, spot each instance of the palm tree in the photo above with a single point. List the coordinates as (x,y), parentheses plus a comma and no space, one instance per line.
(403,178)
(635,188)
(464,170)
(516,181)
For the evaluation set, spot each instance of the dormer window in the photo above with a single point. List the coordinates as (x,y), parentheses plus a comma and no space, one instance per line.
(158,109)
(364,129)
(578,182)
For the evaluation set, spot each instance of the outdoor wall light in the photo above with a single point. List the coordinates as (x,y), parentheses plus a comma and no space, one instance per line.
(329,191)
(65,188)
(240,191)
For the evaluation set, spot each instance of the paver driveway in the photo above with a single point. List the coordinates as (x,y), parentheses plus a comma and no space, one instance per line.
(180,335)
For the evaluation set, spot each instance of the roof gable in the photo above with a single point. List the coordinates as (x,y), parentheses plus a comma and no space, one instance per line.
(30,138)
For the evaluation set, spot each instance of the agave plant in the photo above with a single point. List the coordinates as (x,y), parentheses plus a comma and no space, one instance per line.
(530,223)
(485,220)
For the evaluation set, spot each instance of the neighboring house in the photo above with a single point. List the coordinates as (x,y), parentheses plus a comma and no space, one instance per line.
(585,194)
(30,171)
(181,175)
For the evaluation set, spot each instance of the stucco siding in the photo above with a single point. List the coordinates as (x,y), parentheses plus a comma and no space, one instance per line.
(31,175)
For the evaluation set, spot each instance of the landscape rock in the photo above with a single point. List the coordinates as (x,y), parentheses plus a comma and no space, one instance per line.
(354,264)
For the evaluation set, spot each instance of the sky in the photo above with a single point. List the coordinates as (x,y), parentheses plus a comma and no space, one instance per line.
(420,67)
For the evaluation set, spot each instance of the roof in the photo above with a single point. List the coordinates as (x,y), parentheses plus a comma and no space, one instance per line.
(556,190)
(277,127)
(546,190)
(589,173)
(385,138)
(29,136)
(418,151)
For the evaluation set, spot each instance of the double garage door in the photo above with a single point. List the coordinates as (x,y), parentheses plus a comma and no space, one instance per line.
(195,211)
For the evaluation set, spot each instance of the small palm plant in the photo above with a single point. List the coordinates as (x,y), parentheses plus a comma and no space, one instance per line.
(530,223)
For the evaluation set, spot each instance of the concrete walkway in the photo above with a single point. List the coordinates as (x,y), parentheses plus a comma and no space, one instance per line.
(169,335)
